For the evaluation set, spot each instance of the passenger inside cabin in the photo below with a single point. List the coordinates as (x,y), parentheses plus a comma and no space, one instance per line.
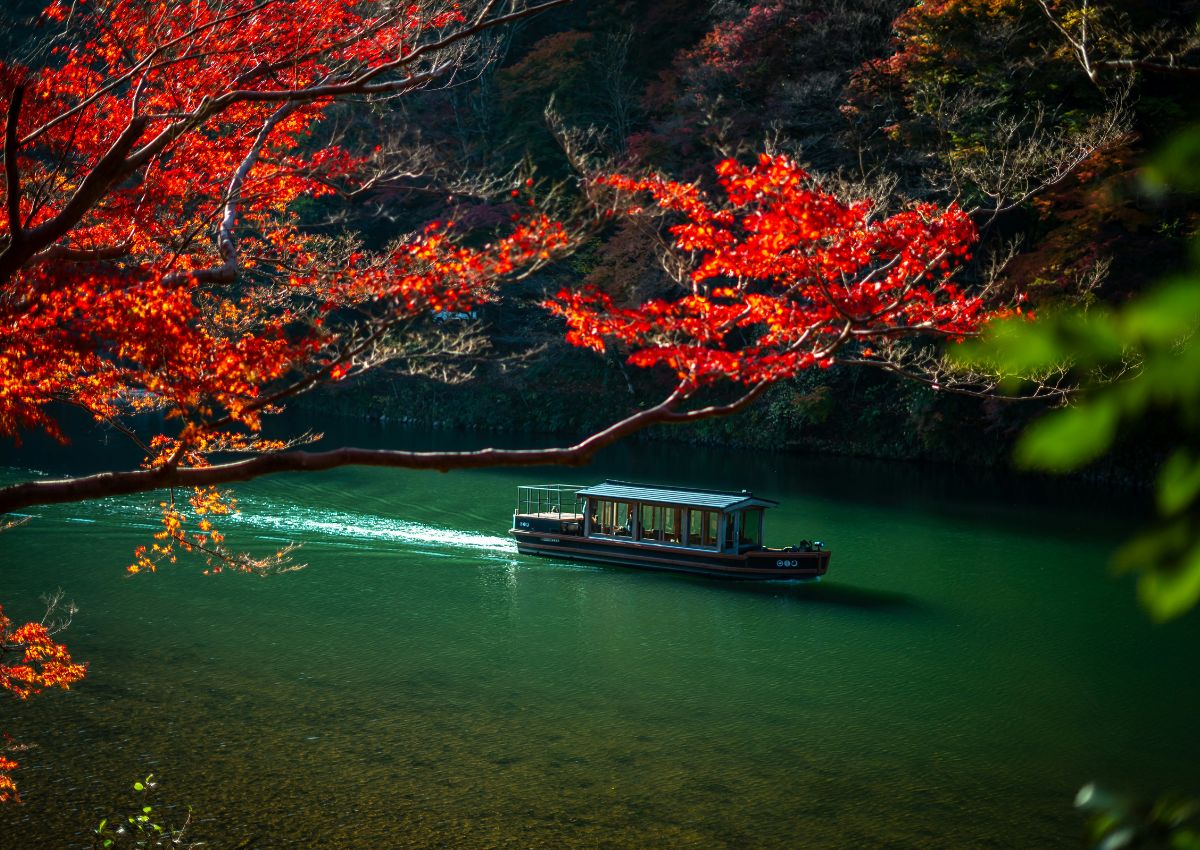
(626,528)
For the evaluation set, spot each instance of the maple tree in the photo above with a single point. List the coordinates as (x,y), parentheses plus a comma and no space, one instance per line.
(152,257)
(40,663)
(781,276)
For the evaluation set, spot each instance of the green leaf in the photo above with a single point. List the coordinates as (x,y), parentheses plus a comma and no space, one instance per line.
(100,828)
(1146,551)
(1067,439)
(1177,165)
(137,786)
(1015,345)
(1165,314)
(1185,839)
(1169,593)
(1178,482)
(147,809)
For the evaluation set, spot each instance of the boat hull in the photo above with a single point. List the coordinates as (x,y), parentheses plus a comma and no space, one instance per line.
(755,565)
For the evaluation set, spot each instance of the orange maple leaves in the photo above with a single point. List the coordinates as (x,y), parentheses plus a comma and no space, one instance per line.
(212,106)
(158,127)
(8,788)
(42,664)
(782,276)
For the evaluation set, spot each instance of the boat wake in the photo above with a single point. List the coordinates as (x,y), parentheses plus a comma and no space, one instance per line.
(296,523)
(290,522)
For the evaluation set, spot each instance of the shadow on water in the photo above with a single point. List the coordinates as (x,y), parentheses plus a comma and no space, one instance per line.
(802,592)
(821,593)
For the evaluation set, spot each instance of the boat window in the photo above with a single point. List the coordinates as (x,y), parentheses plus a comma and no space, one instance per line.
(673,525)
(730,519)
(662,524)
(612,517)
(751,527)
(651,525)
(702,528)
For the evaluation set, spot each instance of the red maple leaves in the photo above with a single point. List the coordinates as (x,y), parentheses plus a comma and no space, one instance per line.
(42,664)
(152,255)
(782,275)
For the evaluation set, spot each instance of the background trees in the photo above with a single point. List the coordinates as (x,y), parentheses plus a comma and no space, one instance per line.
(161,251)
(985,104)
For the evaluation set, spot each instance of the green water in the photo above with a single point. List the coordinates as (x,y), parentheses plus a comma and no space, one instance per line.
(964,668)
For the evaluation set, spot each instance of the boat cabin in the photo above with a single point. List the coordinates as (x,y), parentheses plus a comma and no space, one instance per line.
(669,527)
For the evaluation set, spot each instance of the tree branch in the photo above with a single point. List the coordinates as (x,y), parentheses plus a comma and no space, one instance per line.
(362,84)
(119,162)
(98,181)
(948,385)
(64,253)
(143,65)
(43,492)
(226,244)
(1154,66)
(12,174)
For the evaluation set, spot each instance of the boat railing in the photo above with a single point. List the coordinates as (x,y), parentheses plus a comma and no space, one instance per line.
(547,500)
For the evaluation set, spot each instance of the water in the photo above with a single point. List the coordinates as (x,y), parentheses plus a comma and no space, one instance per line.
(967,665)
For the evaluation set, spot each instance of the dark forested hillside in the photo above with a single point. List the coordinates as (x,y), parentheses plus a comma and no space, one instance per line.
(995,105)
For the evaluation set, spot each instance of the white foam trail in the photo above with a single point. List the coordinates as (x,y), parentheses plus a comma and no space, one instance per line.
(367,527)
(296,521)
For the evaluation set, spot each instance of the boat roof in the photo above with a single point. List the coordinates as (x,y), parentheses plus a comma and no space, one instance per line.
(721,500)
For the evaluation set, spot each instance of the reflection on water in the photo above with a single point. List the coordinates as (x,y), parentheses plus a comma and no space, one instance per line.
(964,668)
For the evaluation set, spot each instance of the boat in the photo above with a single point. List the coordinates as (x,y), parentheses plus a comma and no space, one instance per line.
(715,533)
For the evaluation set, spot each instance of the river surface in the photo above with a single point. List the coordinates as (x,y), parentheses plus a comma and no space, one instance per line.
(965,667)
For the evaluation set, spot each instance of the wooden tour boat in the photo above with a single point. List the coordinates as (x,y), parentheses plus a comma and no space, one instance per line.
(706,532)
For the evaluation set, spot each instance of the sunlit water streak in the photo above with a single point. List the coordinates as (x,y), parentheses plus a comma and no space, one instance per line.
(289,519)
(339,525)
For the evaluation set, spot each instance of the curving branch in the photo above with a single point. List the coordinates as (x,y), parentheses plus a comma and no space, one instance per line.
(226,243)
(64,253)
(123,158)
(110,169)
(47,492)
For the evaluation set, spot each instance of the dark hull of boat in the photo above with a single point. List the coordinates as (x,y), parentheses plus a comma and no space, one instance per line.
(760,565)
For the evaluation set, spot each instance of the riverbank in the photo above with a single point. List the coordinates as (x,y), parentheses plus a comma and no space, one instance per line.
(842,412)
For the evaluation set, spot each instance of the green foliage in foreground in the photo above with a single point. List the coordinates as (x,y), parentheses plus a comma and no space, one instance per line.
(1139,366)
(140,829)
(1116,823)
